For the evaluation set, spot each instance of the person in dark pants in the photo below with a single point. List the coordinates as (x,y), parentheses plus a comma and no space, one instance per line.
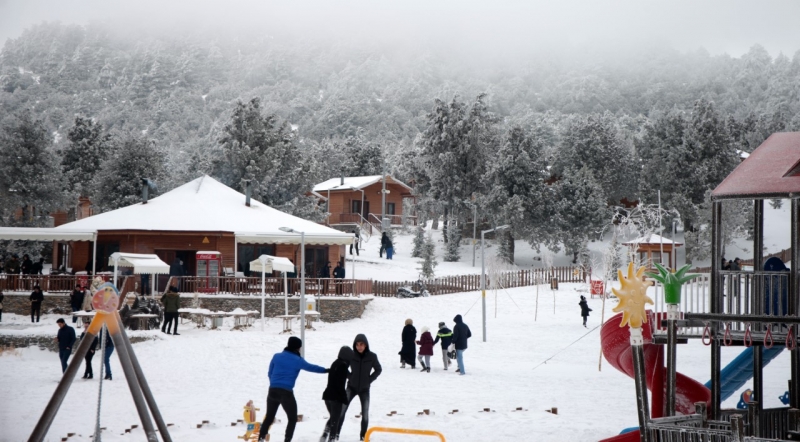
(335,395)
(356,242)
(584,309)
(446,337)
(408,351)
(37,267)
(364,370)
(107,356)
(283,371)
(145,278)
(37,296)
(338,273)
(76,301)
(66,339)
(87,372)
(386,244)
(27,265)
(172,302)
(461,333)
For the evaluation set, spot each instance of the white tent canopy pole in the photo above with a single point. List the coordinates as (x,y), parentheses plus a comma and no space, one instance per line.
(269,263)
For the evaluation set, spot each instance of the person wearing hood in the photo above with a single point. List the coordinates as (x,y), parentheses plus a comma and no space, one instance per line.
(584,309)
(283,371)
(408,352)
(364,369)
(446,337)
(172,302)
(425,349)
(461,333)
(335,395)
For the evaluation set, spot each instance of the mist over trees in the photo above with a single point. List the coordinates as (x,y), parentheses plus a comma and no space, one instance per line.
(548,144)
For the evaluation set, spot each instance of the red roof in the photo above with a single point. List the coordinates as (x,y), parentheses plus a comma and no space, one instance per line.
(771,171)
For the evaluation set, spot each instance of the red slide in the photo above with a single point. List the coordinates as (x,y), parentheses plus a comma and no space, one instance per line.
(616,344)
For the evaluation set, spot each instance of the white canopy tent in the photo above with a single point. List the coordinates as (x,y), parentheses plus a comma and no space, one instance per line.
(268,263)
(141,263)
(50,234)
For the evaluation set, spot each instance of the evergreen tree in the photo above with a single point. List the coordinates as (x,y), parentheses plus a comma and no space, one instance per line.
(506,249)
(453,246)
(428,255)
(419,241)
(580,210)
(30,176)
(132,159)
(82,158)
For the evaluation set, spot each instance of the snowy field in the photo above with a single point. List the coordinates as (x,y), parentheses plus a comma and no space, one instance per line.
(534,364)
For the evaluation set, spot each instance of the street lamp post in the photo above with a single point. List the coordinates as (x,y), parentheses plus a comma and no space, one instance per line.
(302,286)
(483,276)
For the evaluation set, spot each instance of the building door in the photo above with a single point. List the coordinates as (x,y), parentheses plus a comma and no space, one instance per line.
(169,256)
(316,258)
(366,210)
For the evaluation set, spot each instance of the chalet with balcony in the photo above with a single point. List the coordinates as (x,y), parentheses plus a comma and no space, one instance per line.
(356,201)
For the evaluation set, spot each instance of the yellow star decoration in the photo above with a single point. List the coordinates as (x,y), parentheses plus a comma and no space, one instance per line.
(632,297)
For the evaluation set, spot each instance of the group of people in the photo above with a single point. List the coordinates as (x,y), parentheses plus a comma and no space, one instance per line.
(338,273)
(13,266)
(349,376)
(66,341)
(731,265)
(451,341)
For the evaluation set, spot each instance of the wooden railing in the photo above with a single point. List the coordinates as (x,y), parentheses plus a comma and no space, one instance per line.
(238,285)
(785,255)
(466,283)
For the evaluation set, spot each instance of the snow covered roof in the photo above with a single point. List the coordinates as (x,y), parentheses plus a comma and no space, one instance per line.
(653,239)
(771,171)
(45,234)
(355,182)
(206,205)
(141,263)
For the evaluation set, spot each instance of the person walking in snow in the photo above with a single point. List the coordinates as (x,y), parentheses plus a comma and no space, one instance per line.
(283,371)
(364,370)
(107,356)
(408,351)
(37,296)
(425,349)
(172,303)
(356,241)
(446,336)
(87,372)
(461,333)
(584,309)
(387,246)
(335,394)
(66,339)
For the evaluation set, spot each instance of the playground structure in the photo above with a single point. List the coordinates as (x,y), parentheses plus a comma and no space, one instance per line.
(402,431)
(758,310)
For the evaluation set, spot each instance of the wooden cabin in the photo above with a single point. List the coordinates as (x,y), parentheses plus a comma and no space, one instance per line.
(654,249)
(202,215)
(355,201)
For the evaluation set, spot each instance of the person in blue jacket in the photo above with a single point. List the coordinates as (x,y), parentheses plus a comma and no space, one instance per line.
(66,339)
(283,371)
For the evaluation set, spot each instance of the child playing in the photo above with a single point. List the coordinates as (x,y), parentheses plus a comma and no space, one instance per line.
(584,309)
(425,349)
(335,395)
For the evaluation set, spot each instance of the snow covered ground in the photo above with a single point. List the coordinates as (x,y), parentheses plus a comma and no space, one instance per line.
(210,374)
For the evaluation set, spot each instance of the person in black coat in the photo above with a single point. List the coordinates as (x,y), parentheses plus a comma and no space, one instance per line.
(584,309)
(446,336)
(37,267)
(338,273)
(335,394)
(87,372)
(461,333)
(37,296)
(364,370)
(408,352)
(66,339)
(76,301)
(27,265)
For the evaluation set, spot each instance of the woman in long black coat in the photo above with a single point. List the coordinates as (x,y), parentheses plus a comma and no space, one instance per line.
(584,309)
(408,353)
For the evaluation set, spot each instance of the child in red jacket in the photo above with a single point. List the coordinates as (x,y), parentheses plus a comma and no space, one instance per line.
(425,349)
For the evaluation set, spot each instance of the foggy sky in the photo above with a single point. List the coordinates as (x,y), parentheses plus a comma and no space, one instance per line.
(730,26)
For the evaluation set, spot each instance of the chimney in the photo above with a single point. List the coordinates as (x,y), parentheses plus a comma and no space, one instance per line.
(145,189)
(342,183)
(247,191)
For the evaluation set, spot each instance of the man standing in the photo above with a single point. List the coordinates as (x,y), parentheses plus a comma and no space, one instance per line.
(37,296)
(283,371)
(338,273)
(76,301)
(65,338)
(356,241)
(446,336)
(12,265)
(461,333)
(364,369)
(27,265)
(172,302)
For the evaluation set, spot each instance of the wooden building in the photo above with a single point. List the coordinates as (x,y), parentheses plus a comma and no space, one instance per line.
(654,248)
(355,201)
(203,214)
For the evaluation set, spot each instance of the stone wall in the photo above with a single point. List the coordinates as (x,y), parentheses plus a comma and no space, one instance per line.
(331,309)
(45,342)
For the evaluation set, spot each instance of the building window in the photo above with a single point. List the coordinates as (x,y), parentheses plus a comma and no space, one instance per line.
(390,208)
(250,252)
(356,206)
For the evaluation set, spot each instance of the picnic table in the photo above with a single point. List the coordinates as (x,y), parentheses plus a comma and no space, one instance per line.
(144,320)
(197,315)
(216,318)
(83,316)
(242,318)
(287,322)
(311,316)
